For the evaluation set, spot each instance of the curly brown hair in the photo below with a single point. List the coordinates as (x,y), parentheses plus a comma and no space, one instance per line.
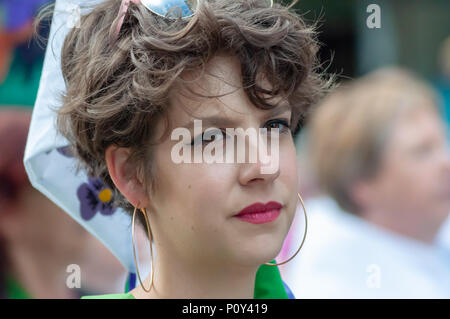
(118,91)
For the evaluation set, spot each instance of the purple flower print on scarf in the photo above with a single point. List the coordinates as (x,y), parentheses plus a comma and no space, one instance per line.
(95,197)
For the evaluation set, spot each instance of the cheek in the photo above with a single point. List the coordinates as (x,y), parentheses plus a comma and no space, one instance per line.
(203,210)
(208,188)
(406,184)
(288,180)
(288,167)
(425,187)
(187,203)
(417,178)
(195,190)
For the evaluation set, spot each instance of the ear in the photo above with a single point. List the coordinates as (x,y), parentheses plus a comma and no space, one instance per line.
(125,176)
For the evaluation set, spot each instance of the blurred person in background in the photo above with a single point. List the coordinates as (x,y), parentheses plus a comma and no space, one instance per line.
(21,56)
(378,147)
(442,83)
(37,239)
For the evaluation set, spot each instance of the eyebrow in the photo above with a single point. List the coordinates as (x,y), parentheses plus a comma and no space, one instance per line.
(216,121)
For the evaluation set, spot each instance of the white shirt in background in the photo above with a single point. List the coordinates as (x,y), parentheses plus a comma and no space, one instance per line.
(346,257)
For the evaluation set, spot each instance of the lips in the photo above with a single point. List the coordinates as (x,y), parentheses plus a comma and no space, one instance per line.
(260,213)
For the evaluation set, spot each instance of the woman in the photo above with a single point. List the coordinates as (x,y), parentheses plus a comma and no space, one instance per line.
(378,148)
(133,77)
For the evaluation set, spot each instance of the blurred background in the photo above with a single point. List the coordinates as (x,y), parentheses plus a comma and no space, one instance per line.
(41,246)
(398,255)
(374,160)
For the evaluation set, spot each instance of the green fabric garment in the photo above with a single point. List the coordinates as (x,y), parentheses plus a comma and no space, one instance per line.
(268,285)
(14,290)
(111,296)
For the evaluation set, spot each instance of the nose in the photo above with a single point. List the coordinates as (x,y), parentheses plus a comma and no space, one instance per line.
(266,167)
(251,173)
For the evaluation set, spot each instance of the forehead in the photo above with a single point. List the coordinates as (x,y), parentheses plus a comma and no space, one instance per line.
(216,91)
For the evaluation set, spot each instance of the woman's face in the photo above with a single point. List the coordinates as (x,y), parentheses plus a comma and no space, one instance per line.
(414,178)
(192,211)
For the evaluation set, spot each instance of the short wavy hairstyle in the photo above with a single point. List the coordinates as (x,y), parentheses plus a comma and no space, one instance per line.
(116,91)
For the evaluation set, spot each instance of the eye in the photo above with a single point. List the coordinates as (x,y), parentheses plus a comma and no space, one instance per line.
(208,136)
(281,124)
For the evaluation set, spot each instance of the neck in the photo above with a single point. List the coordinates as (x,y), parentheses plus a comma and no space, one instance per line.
(37,273)
(422,229)
(174,279)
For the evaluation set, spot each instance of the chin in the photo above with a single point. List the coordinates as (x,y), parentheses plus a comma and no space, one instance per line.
(260,251)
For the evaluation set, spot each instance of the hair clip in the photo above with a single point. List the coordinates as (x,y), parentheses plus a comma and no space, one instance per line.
(122,12)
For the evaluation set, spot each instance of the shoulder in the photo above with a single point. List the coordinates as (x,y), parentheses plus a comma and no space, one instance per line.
(110,296)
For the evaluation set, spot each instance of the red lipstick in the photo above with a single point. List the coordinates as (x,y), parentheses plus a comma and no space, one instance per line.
(259,213)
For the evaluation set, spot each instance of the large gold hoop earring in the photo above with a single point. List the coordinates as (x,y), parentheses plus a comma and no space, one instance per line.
(303,240)
(150,237)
